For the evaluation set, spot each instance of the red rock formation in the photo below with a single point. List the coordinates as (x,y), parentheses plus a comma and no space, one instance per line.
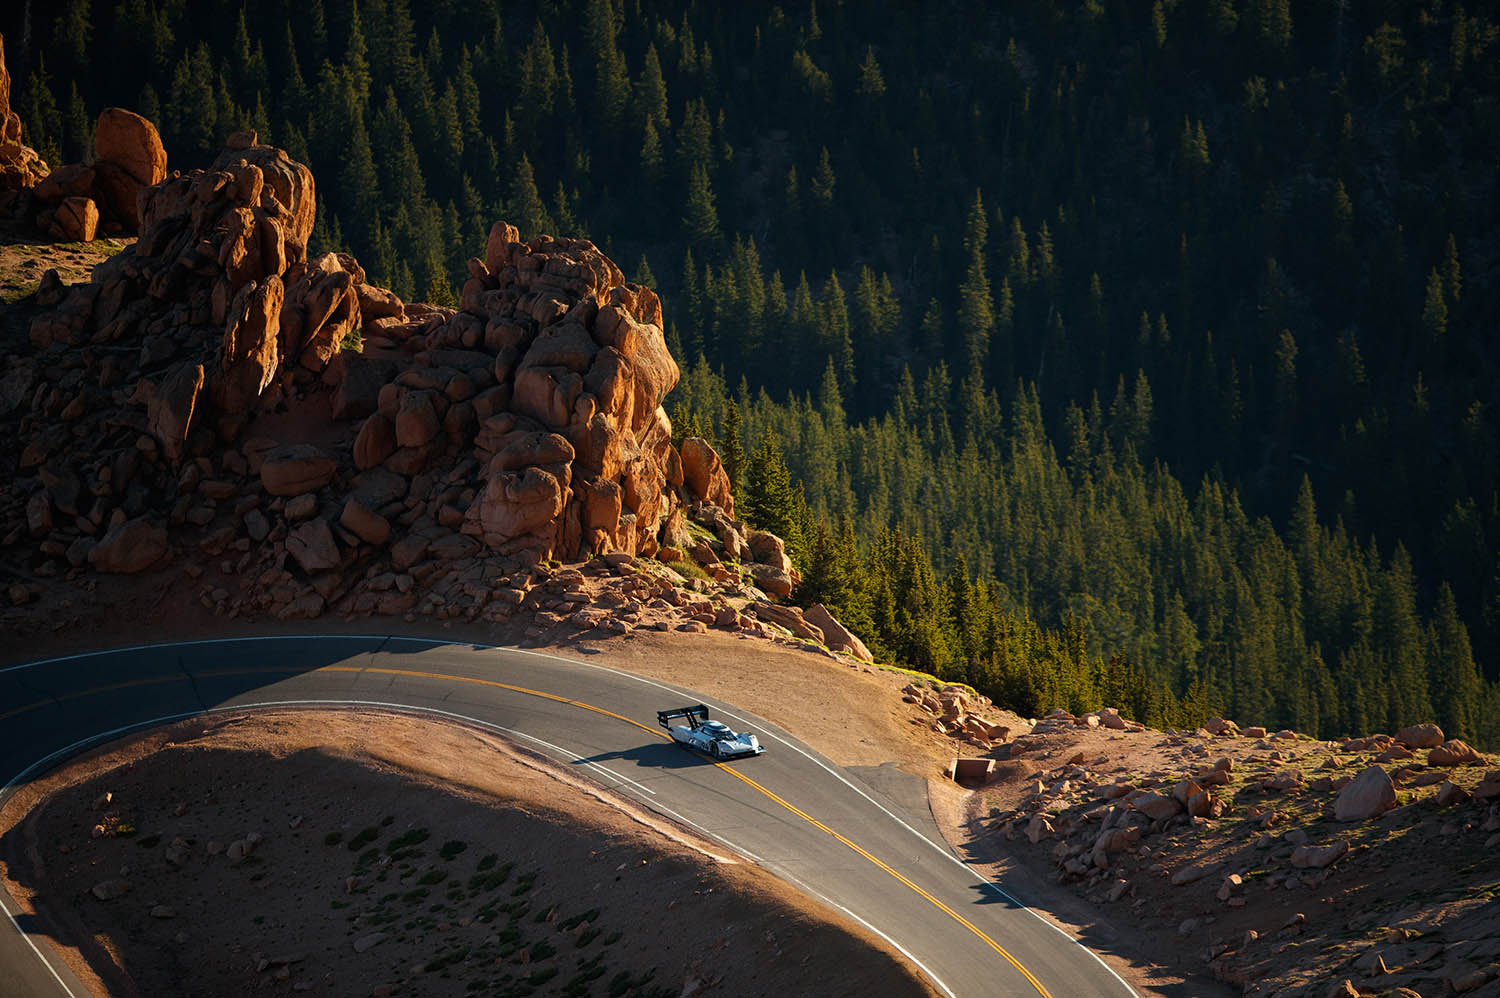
(20,166)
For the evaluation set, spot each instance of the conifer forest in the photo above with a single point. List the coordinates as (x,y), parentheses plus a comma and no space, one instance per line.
(1085,351)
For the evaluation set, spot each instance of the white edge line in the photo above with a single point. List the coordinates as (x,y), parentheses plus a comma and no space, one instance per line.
(381,638)
(902,949)
(37,766)
(39,954)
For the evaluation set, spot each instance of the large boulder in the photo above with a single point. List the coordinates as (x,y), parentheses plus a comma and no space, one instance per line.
(789,617)
(75,220)
(703,474)
(1420,736)
(297,468)
(519,506)
(251,353)
(133,546)
(321,310)
(1368,795)
(128,156)
(836,635)
(313,547)
(1318,857)
(364,523)
(1157,807)
(1454,753)
(169,414)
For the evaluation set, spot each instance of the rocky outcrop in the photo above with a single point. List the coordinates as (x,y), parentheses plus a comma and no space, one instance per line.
(20,167)
(79,200)
(205,393)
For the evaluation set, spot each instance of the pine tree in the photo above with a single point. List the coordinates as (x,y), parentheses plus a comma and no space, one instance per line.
(643,275)
(526,205)
(833,320)
(700,219)
(1453,281)
(871,83)
(1434,309)
(651,91)
(651,159)
(40,120)
(77,128)
(823,181)
(73,36)
(399,170)
(976,310)
(731,445)
(770,501)
(611,79)
(356,59)
(537,87)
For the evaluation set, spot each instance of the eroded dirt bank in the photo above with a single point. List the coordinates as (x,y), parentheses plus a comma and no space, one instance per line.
(298,851)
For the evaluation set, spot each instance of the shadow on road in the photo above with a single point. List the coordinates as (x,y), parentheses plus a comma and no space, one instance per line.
(661,755)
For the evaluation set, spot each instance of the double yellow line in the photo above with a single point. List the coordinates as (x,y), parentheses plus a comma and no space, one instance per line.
(556,698)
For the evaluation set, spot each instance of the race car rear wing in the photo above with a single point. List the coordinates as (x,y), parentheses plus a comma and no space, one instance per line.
(696,715)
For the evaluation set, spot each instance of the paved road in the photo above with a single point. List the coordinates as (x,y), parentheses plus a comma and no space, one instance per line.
(858,840)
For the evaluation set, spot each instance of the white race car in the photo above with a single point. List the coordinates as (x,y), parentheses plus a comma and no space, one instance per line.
(713,737)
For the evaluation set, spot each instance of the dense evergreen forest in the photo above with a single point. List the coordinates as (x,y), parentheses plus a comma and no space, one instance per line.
(1087,351)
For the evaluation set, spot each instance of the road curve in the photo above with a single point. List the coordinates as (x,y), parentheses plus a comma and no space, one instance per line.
(845,837)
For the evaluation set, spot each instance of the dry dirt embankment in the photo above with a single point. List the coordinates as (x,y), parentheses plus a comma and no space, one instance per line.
(1278,864)
(340,853)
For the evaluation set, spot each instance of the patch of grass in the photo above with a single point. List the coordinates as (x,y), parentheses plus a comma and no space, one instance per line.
(623,982)
(523,884)
(570,924)
(415,895)
(452,848)
(488,861)
(125,830)
(433,877)
(688,569)
(25,290)
(490,880)
(587,936)
(363,838)
(541,949)
(367,859)
(588,971)
(410,837)
(353,340)
(333,838)
(542,976)
(447,959)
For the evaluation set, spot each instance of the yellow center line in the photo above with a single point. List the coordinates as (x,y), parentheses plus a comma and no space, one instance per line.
(556,698)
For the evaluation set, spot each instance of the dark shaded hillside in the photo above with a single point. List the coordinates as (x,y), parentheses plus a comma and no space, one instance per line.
(1071,298)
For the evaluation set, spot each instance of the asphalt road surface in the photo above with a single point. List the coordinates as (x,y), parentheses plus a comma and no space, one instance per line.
(859,841)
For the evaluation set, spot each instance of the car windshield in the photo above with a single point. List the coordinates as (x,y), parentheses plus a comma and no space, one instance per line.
(716,728)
